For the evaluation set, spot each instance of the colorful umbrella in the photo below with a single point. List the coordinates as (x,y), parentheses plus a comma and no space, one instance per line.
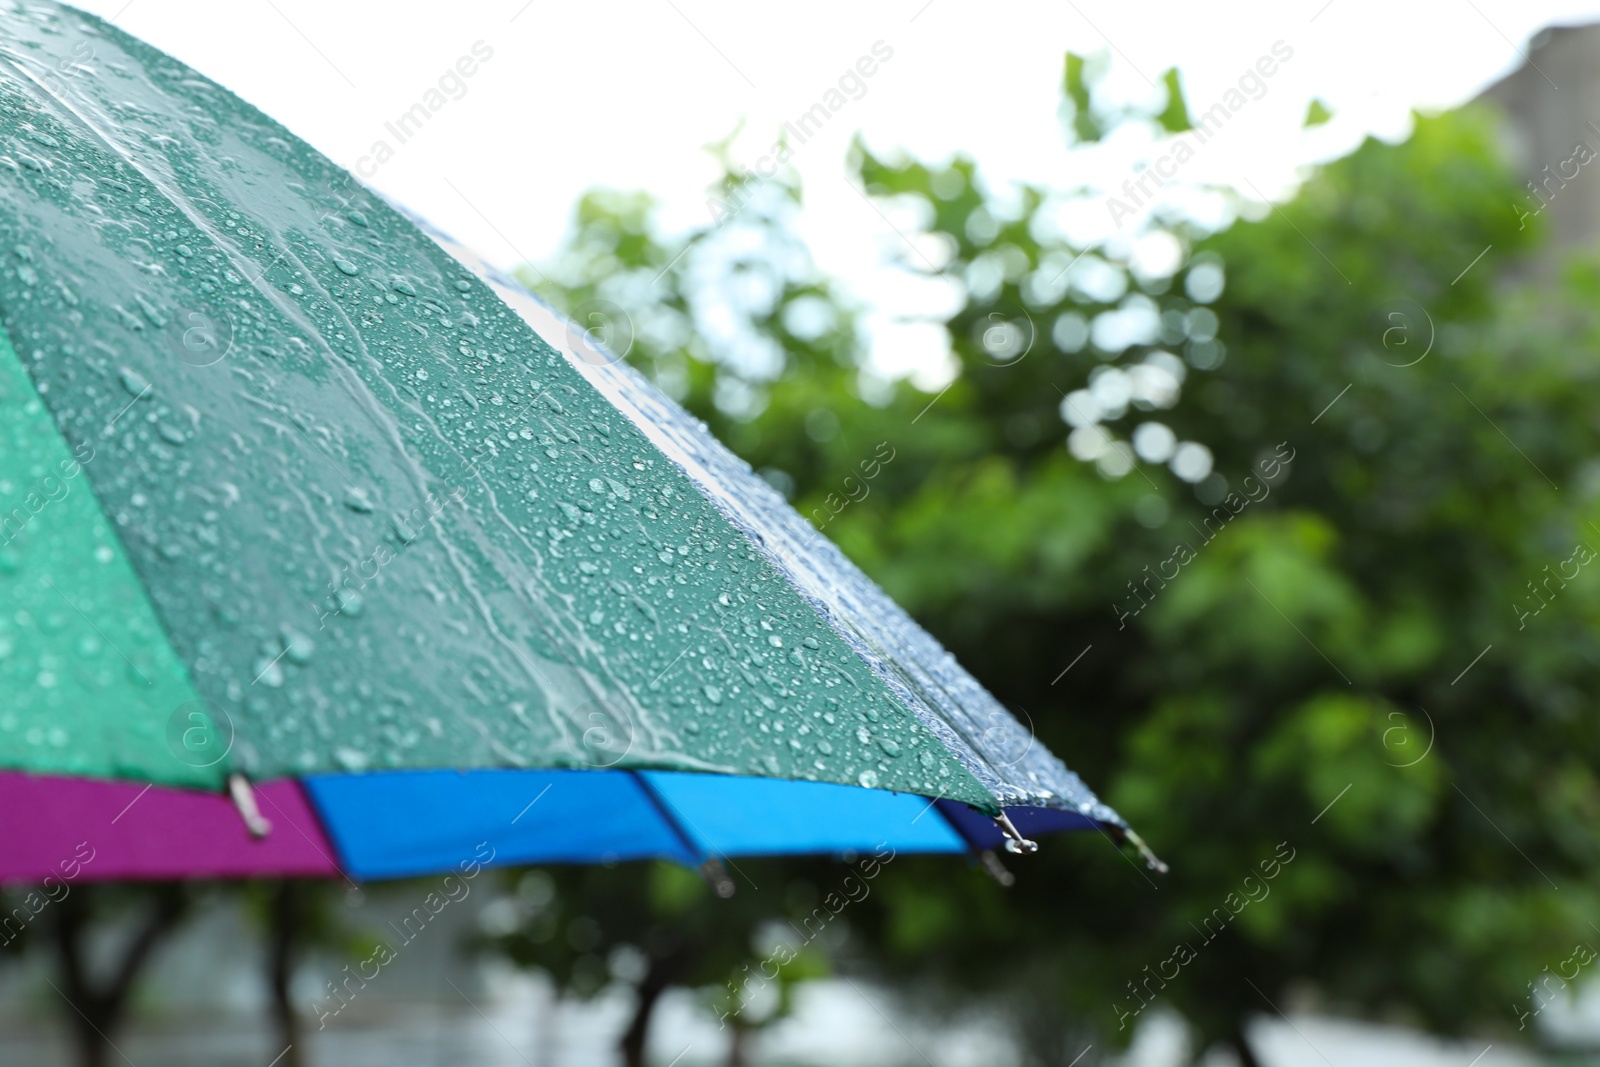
(294,492)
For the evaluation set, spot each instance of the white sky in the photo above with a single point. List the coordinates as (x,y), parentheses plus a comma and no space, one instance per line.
(626,94)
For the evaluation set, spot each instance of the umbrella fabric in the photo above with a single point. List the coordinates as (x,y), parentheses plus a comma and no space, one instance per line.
(988,739)
(393,824)
(390,824)
(293,488)
(76,829)
(84,664)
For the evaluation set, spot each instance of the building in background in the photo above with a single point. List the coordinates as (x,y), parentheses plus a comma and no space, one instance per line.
(1552,103)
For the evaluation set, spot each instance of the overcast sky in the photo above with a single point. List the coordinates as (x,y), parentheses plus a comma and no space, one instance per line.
(626,94)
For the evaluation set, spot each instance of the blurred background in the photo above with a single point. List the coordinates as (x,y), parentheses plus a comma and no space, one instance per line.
(1226,382)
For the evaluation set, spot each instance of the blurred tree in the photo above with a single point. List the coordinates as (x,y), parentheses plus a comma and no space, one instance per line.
(658,926)
(298,917)
(103,938)
(98,987)
(1302,492)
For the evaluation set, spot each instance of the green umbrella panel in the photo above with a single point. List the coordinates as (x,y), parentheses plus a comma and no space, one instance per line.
(300,467)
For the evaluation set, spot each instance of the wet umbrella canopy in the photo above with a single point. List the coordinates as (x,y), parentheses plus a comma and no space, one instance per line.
(289,487)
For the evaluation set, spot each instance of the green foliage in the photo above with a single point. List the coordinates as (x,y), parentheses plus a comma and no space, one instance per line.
(1174,118)
(1076,88)
(1088,125)
(1381,659)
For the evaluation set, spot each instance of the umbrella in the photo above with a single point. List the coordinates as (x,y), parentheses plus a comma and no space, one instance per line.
(306,514)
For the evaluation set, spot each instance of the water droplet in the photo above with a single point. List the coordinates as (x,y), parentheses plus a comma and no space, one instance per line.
(345,266)
(133,381)
(350,603)
(297,646)
(268,673)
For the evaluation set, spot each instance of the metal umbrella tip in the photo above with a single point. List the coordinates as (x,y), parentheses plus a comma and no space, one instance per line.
(1015,842)
(995,869)
(1151,860)
(717,876)
(244,800)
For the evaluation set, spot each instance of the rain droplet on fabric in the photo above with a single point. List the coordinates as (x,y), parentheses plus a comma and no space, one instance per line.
(133,381)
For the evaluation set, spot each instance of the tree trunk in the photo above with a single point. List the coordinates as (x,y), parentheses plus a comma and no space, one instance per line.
(1047,1037)
(285,917)
(1240,1040)
(633,1039)
(97,1008)
(739,1046)
(658,979)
